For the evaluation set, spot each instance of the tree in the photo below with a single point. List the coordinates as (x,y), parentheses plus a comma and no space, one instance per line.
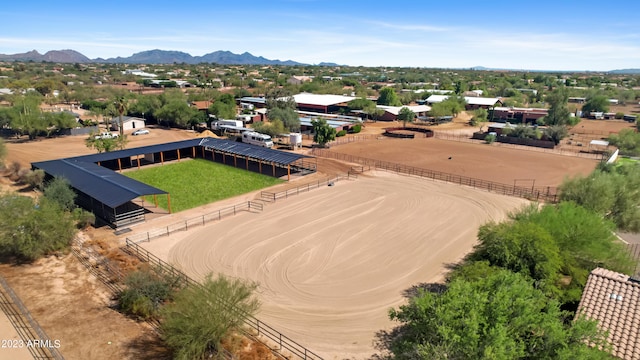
(30,229)
(367,106)
(522,247)
(201,317)
(556,133)
(273,128)
(388,97)
(501,316)
(558,113)
(289,117)
(406,115)
(59,191)
(597,103)
(177,112)
(451,106)
(627,140)
(523,132)
(322,132)
(102,144)
(223,110)
(280,98)
(282,106)
(121,105)
(612,194)
(480,116)
(585,240)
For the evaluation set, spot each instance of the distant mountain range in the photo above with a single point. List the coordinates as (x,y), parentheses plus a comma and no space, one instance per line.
(620,71)
(152,57)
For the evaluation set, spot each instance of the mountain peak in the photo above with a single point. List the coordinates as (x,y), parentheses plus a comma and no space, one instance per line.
(155,56)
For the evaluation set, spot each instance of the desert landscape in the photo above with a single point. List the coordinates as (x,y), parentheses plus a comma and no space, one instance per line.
(331,262)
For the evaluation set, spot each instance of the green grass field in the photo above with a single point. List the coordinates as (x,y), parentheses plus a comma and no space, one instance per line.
(625,160)
(198,182)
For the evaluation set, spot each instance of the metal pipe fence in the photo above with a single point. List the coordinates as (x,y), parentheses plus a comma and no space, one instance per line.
(546,193)
(255,326)
(467,138)
(27,327)
(187,224)
(274,196)
(355,138)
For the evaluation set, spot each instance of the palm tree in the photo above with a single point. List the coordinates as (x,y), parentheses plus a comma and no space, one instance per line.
(121,107)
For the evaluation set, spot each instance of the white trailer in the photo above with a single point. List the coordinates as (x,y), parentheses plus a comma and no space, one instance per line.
(218,125)
(254,138)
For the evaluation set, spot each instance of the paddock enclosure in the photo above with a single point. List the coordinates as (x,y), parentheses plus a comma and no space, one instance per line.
(331,262)
(522,165)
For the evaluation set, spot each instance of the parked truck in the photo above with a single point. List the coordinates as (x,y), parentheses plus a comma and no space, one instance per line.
(105,135)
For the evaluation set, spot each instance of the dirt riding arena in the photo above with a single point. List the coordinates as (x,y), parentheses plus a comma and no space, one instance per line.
(477,160)
(331,262)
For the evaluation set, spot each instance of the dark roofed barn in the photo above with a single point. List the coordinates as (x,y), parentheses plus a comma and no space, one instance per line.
(109,194)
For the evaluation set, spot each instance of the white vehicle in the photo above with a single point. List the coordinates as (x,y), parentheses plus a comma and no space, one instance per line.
(140,132)
(254,138)
(217,125)
(106,135)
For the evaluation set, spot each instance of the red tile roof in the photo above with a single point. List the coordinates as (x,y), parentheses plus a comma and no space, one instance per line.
(201,105)
(614,300)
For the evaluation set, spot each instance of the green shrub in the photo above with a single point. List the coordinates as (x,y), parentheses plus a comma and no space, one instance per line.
(341,133)
(32,229)
(145,291)
(356,128)
(83,218)
(619,115)
(33,178)
(490,139)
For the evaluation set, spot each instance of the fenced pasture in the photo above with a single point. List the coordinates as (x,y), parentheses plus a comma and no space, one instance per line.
(545,193)
(473,160)
(196,182)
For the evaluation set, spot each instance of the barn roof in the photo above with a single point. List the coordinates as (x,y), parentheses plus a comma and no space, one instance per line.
(102,184)
(471,100)
(306,121)
(114,189)
(251,151)
(395,110)
(321,99)
(149,149)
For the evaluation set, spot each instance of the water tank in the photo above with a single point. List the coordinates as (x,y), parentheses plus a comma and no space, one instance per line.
(295,139)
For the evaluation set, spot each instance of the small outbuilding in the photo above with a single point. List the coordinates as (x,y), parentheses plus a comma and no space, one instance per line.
(129,123)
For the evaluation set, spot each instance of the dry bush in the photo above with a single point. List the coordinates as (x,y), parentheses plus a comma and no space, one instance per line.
(13,169)
(247,349)
(116,256)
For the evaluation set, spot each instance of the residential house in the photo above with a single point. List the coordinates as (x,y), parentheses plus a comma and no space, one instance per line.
(613,299)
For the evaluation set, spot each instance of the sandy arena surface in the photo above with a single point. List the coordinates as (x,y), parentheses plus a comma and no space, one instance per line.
(9,337)
(331,262)
(476,160)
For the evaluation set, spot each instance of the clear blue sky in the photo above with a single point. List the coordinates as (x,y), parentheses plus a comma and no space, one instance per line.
(541,35)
